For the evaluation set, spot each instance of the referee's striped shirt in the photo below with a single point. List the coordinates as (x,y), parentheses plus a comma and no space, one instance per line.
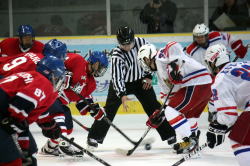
(125,67)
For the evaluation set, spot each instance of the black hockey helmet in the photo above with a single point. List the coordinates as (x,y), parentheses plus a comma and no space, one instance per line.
(125,35)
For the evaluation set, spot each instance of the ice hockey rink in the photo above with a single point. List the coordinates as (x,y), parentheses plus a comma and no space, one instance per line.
(134,126)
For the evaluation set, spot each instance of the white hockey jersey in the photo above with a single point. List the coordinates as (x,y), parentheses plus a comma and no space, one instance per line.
(193,72)
(198,53)
(231,91)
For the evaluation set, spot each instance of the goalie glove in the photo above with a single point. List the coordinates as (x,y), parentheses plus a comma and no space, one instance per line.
(239,49)
(156,119)
(216,134)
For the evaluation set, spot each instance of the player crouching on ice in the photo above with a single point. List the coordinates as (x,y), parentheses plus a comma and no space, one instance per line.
(191,82)
(230,91)
(24,96)
(79,85)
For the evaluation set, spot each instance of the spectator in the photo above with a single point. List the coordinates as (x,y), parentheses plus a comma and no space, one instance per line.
(228,17)
(92,24)
(55,28)
(159,15)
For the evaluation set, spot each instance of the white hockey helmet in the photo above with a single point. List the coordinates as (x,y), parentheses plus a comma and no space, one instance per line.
(200,30)
(146,51)
(217,55)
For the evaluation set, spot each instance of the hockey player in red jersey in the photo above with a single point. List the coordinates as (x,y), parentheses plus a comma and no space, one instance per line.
(24,97)
(189,79)
(79,85)
(28,61)
(230,92)
(25,43)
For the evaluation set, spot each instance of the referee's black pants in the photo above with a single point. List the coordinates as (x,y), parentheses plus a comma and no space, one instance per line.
(149,103)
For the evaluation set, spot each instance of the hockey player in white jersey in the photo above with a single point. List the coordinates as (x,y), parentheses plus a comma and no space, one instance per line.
(190,79)
(202,39)
(231,91)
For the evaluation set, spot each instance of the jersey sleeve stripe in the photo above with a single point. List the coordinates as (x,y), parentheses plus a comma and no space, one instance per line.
(17,111)
(28,98)
(227,108)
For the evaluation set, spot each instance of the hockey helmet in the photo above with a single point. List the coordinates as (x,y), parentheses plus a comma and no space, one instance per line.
(200,30)
(55,48)
(52,68)
(97,56)
(146,51)
(216,57)
(125,35)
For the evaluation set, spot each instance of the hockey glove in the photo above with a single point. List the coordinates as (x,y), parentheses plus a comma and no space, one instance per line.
(11,125)
(156,119)
(83,105)
(51,129)
(239,49)
(216,134)
(174,72)
(97,112)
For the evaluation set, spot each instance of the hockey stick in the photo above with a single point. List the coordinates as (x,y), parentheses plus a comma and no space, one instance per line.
(188,156)
(85,151)
(80,124)
(107,120)
(236,57)
(129,152)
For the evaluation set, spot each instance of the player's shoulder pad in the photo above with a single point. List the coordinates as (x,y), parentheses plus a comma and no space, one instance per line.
(191,47)
(213,34)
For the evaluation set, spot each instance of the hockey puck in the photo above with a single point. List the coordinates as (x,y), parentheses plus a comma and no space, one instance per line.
(147,146)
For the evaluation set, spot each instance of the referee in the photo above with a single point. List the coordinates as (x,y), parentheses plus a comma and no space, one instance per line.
(128,78)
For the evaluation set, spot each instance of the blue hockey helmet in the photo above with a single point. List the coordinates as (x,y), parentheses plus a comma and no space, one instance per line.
(52,68)
(97,56)
(25,30)
(55,48)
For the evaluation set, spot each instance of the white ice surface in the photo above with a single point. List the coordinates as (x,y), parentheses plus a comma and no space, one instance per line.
(134,126)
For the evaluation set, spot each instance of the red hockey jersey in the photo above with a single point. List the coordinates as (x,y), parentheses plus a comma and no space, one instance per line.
(19,63)
(31,94)
(11,47)
(81,82)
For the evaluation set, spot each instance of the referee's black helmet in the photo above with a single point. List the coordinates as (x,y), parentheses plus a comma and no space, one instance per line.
(125,35)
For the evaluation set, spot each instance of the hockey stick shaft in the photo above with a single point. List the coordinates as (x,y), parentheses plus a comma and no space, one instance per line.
(148,129)
(80,124)
(107,120)
(119,130)
(138,143)
(85,151)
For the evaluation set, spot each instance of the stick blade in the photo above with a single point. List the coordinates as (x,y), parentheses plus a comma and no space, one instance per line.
(121,151)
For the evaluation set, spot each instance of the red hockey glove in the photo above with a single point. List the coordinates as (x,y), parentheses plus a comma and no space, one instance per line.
(239,49)
(156,119)
(97,112)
